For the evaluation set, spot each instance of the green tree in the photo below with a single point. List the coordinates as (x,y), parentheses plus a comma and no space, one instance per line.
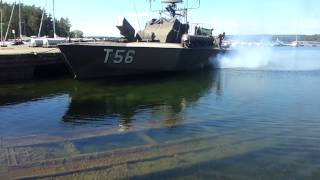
(63,27)
(76,34)
(31,19)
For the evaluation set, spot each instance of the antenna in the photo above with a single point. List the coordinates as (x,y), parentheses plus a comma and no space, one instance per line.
(137,15)
(174,11)
(150,3)
(172,7)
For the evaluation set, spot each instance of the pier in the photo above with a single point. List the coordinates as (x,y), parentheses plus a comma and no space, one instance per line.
(26,63)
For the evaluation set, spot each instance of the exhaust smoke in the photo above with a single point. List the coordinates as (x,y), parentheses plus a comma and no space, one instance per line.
(270,58)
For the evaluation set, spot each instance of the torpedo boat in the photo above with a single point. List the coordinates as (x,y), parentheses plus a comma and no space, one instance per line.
(165,45)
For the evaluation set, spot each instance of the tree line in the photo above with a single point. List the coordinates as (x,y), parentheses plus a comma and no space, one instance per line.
(30,21)
(290,38)
(284,38)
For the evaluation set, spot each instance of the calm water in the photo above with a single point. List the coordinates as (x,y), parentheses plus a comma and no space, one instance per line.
(238,123)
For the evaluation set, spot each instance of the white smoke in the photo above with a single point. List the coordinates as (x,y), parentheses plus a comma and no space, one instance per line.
(270,58)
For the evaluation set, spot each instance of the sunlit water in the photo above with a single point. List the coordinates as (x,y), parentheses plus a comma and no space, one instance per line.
(235,123)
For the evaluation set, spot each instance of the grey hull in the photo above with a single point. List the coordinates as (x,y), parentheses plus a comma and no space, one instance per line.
(102,60)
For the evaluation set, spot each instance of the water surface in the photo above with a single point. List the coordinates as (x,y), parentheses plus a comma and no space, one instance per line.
(238,123)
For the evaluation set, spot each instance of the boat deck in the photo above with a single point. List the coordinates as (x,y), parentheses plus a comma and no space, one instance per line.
(131,44)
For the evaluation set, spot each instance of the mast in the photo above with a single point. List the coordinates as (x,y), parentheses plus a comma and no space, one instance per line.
(14,4)
(187,6)
(20,31)
(39,34)
(54,21)
(174,11)
(1,24)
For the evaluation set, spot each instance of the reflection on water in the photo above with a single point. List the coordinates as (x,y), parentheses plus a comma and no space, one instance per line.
(155,99)
(59,105)
(224,124)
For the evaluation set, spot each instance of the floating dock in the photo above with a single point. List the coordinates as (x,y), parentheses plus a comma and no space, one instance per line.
(26,63)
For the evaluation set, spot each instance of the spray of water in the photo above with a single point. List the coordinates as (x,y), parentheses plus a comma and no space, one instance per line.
(270,58)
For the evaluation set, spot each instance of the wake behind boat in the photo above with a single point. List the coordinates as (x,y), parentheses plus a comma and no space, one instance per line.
(165,45)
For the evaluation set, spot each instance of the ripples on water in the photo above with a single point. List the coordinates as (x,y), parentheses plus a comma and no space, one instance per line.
(231,124)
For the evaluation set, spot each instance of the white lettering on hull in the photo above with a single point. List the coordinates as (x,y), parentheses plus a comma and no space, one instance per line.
(119,56)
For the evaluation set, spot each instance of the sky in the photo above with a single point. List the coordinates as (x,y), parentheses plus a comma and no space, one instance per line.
(99,17)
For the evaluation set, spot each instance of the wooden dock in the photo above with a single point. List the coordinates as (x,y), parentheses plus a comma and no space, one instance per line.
(26,63)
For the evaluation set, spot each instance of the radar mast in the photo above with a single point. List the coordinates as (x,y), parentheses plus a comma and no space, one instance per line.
(174,11)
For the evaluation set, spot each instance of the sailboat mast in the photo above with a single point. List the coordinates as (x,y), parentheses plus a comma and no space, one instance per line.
(1,24)
(39,34)
(20,31)
(14,4)
(1,19)
(54,21)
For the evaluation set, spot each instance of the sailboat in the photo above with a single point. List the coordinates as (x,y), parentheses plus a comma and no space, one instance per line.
(296,43)
(37,41)
(17,41)
(49,42)
(45,41)
(279,43)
